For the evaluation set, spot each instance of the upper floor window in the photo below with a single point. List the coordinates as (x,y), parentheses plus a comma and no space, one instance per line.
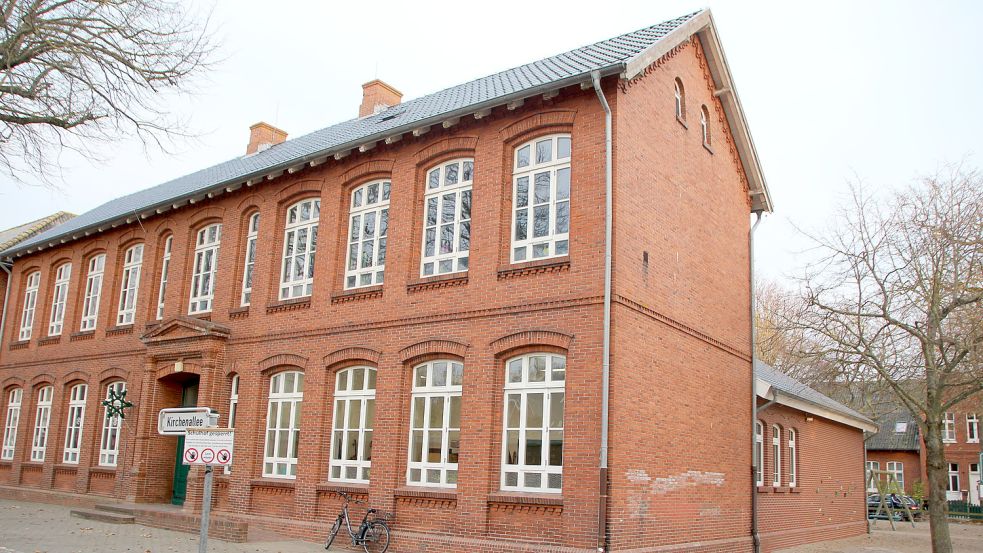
(132,261)
(354,419)
(759,453)
(776,455)
(299,247)
(207,242)
(541,192)
(972,428)
(532,452)
(93,290)
(949,427)
(30,303)
(705,125)
(435,424)
(680,97)
(367,231)
(58,299)
(76,421)
(252,233)
(793,459)
(283,425)
(42,420)
(164,266)
(109,444)
(447,218)
(11,423)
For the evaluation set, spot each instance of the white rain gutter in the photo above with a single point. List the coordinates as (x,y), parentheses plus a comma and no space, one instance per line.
(755,536)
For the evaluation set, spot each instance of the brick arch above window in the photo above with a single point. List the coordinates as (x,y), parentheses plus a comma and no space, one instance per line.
(129,238)
(368,170)
(250,202)
(207,216)
(298,191)
(544,122)
(162,227)
(351,356)
(75,377)
(58,262)
(271,364)
(10,383)
(509,345)
(432,349)
(112,374)
(43,379)
(456,146)
(94,248)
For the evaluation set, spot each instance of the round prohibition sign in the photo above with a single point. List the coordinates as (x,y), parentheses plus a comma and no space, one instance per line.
(224,456)
(191,455)
(207,455)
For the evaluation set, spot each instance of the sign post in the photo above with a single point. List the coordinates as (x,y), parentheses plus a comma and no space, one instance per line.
(208,447)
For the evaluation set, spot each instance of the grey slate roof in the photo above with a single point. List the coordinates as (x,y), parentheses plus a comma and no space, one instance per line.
(608,57)
(15,235)
(790,386)
(887,439)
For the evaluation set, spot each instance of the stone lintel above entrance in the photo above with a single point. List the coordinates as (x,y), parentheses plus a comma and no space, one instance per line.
(183,327)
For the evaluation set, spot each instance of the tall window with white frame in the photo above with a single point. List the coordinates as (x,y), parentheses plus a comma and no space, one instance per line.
(63,275)
(872,477)
(233,408)
(354,419)
(42,420)
(793,459)
(705,125)
(535,396)
(776,455)
(109,444)
(368,228)
(249,262)
(299,249)
(30,303)
(679,94)
(205,269)
(76,421)
(93,291)
(164,266)
(283,425)
(132,262)
(435,424)
(447,218)
(759,453)
(949,427)
(11,423)
(541,199)
(896,468)
(972,428)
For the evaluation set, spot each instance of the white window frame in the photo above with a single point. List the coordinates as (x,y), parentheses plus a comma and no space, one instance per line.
(42,421)
(93,292)
(205,269)
(435,412)
(949,428)
(233,409)
(354,386)
(776,455)
(111,426)
(705,124)
(130,285)
(519,388)
(358,274)
(11,423)
(300,229)
(59,296)
(33,281)
(556,241)
(952,482)
(249,260)
(165,265)
(759,452)
(680,98)
(447,186)
(793,458)
(897,468)
(75,424)
(972,428)
(872,481)
(283,440)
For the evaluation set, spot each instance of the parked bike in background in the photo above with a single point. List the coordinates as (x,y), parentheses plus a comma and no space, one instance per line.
(372,534)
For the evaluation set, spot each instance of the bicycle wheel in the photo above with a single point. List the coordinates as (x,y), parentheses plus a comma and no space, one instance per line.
(376,537)
(334,532)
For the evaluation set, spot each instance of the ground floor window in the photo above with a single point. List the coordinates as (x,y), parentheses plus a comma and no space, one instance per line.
(952,484)
(354,418)
(283,425)
(532,449)
(872,477)
(435,424)
(109,445)
(73,428)
(896,468)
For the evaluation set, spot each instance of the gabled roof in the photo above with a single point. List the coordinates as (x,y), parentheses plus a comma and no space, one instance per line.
(889,439)
(772,385)
(626,55)
(12,236)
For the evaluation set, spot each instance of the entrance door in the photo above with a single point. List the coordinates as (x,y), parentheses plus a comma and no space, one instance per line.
(974,484)
(189,398)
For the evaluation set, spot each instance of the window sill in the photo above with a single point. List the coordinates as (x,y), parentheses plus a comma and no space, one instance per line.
(20,344)
(346,487)
(203,316)
(526,498)
(682,122)
(708,148)
(435,282)
(119,330)
(551,265)
(66,467)
(84,335)
(780,489)
(273,483)
(289,305)
(49,341)
(765,489)
(795,489)
(103,470)
(357,294)
(446,494)
(239,312)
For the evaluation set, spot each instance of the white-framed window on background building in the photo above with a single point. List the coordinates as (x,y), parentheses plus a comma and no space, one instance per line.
(541,199)
(872,477)
(249,261)
(63,276)
(368,229)
(972,428)
(896,468)
(299,249)
(205,269)
(435,424)
(759,453)
(132,263)
(532,444)
(109,442)
(952,483)
(776,455)
(793,459)
(42,420)
(949,427)
(30,305)
(75,424)
(93,291)
(233,409)
(165,265)
(447,218)
(11,422)
(353,421)
(283,424)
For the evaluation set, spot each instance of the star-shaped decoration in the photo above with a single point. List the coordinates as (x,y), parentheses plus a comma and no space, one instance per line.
(116,404)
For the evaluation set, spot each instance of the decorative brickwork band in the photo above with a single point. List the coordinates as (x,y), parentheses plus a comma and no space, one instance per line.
(445,146)
(352,354)
(537,122)
(531,338)
(432,347)
(281,359)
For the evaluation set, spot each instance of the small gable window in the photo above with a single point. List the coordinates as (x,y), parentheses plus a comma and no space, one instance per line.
(705,125)
(680,95)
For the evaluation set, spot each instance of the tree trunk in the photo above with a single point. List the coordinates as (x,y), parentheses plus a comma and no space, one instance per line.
(938,473)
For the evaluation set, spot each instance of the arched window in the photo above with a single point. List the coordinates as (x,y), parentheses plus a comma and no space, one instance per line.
(793,459)
(367,231)
(205,269)
(299,246)
(10,424)
(283,425)
(435,424)
(252,233)
(532,444)
(42,420)
(109,444)
(58,297)
(541,192)
(705,125)
(680,96)
(76,421)
(30,303)
(164,266)
(132,262)
(354,418)
(93,291)
(776,455)
(447,218)
(759,453)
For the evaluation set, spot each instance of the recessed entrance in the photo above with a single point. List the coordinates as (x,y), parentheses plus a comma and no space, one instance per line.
(189,398)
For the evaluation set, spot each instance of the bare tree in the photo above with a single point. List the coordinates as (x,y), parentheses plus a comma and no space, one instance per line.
(897,297)
(76,73)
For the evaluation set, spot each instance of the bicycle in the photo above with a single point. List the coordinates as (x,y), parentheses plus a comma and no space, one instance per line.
(372,535)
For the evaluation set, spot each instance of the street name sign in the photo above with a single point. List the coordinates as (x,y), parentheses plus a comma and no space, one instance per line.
(176,421)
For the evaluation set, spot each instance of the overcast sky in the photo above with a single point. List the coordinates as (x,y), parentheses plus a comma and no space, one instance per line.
(833,91)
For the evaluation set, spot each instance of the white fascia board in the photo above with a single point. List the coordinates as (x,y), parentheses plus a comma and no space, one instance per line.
(765,391)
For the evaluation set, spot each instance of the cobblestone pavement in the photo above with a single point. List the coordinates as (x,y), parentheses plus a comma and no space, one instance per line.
(966,538)
(42,528)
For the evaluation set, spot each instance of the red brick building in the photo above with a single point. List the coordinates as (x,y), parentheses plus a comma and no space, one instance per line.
(444,355)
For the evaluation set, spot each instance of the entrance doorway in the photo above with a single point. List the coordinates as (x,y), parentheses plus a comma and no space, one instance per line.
(189,398)
(974,483)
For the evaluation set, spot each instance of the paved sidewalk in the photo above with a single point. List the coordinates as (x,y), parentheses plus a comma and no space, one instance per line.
(966,538)
(43,528)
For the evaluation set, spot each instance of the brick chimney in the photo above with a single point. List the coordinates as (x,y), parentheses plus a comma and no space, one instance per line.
(262,136)
(377,96)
